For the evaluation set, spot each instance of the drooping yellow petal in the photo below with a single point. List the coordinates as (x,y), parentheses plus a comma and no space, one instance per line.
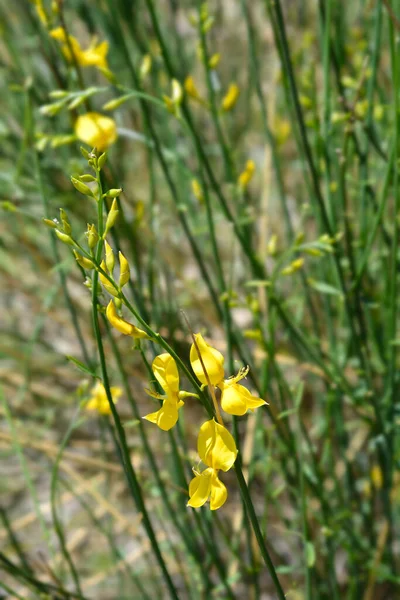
(237,400)
(212,359)
(216,446)
(121,325)
(96,130)
(200,488)
(166,372)
(219,493)
(231,97)
(166,417)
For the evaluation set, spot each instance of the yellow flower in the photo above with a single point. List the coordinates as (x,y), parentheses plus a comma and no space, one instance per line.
(98,399)
(41,13)
(231,97)
(191,89)
(94,56)
(216,446)
(121,325)
(206,485)
(96,130)
(235,398)
(197,191)
(212,359)
(246,176)
(166,372)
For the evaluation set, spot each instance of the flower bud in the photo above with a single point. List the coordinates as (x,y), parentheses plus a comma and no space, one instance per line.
(111,217)
(110,258)
(84,262)
(81,187)
(124,273)
(92,236)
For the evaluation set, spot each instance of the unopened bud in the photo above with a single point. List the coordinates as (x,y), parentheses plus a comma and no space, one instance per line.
(63,237)
(81,187)
(124,272)
(84,262)
(111,217)
(110,258)
(92,236)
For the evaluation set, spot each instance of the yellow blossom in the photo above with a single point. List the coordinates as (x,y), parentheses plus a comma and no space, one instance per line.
(96,130)
(190,88)
(212,359)
(121,325)
(94,56)
(41,13)
(235,398)
(98,399)
(377,477)
(216,446)
(246,176)
(197,191)
(204,486)
(230,98)
(166,372)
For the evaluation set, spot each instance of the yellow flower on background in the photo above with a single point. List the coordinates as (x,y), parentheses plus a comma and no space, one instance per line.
(216,446)
(98,399)
(235,398)
(217,450)
(94,56)
(123,326)
(212,359)
(166,372)
(96,130)
(41,13)
(231,97)
(246,176)
(204,486)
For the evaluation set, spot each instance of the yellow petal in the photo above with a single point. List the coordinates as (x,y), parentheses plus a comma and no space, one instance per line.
(236,399)
(96,130)
(94,56)
(166,372)
(121,325)
(200,488)
(166,417)
(58,34)
(219,493)
(216,446)
(212,359)
(231,97)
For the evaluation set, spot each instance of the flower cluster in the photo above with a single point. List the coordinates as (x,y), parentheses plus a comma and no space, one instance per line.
(215,445)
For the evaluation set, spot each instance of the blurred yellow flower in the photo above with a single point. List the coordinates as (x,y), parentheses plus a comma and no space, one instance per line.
(96,130)
(166,372)
(94,56)
(121,325)
(41,13)
(230,98)
(204,486)
(98,399)
(235,398)
(246,176)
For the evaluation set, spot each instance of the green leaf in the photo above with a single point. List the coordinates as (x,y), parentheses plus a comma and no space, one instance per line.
(324,288)
(82,367)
